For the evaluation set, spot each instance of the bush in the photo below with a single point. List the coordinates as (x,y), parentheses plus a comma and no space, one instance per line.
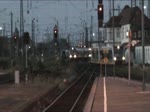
(4,63)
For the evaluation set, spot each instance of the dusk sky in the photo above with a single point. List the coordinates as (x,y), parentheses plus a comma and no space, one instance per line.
(69,14)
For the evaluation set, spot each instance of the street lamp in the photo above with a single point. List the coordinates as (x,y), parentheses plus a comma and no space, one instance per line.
(128,34)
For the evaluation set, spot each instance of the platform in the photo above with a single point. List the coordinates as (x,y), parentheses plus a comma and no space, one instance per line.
(117,95)
(15,97)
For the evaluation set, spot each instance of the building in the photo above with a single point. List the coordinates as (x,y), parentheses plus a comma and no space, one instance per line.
(108,28)
(129,19)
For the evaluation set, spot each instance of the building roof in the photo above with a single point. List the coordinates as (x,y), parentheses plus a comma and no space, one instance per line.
(129,16)
(116,21)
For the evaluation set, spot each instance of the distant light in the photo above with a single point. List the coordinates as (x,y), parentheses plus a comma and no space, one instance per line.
(115,58)
(93,34)
(90,55)
(70,56)
(1,28)
(72,48)
(90,49)
(75,56)
(118,47)
(29,47)
(123,58)
(145,7)
(42,54)
(100,9)
(127,33)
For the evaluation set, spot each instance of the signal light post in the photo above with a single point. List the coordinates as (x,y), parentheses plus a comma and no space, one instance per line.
(26,40)
(100,15)
(55,33)
(55,37)
(15,40)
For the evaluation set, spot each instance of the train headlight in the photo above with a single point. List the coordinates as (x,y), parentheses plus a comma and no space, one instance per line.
(72,48)
(70,56)
(115,58)
(123,58)
(90,49)
(75,56)
(90,55)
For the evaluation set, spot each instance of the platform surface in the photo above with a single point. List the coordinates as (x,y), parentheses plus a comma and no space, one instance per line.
(117,95)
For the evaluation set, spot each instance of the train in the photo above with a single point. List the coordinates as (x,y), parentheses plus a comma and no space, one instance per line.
(107,55)
(95,55)
(80,53)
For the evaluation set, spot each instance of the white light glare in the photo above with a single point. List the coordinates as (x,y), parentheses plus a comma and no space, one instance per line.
(90,55)
(115,58)
(90,49)
(75,56)
(70,56)
(123,58)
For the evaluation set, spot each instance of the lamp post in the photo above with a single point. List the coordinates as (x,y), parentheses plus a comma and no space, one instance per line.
(128,34)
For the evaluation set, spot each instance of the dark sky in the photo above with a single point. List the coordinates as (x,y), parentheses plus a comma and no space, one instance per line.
(70,15)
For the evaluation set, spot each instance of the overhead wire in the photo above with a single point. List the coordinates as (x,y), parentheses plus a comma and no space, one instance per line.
(69,0)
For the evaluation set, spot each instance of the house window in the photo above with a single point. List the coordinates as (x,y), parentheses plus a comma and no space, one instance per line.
(139,34)
(122,30)
(134,35)
(146,34)
(105,36)
(118,33)
(111,34)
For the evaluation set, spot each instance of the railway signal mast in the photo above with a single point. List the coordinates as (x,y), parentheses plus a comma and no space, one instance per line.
(100,14)
(100,11)
(55,34)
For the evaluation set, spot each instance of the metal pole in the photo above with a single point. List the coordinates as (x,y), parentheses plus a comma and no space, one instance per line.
(11,49)
(143,49)
(33,37)
(21,24)
(105,70)
(113,22)
(26,75)
(101,70)
(129,60)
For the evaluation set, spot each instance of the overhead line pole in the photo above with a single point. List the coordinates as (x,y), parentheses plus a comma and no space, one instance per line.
(21,24)
(113,22)
(11,48)
(143,48)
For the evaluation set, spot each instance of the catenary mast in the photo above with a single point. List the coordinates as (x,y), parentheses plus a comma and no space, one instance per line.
(148,9)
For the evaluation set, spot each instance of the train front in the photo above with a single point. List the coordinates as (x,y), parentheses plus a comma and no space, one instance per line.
(80,53)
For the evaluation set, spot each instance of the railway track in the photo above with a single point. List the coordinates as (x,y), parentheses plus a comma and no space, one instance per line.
(72,99)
